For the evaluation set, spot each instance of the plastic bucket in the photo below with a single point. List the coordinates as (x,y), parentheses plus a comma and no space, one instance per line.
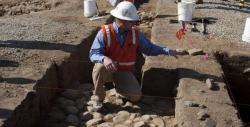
(185,11)
(246,34)
(90,8)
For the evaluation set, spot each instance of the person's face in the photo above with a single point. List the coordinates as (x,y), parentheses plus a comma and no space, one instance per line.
(127,25)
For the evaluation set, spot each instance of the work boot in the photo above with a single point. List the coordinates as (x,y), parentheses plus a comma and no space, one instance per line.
(97,106)
(96,103)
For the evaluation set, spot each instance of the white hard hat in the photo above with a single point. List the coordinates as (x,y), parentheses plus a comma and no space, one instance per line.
(126,11)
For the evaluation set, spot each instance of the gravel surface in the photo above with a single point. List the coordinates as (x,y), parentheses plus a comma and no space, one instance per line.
(229,19)
(19,7)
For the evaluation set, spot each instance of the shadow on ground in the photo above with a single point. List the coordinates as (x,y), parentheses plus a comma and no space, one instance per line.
(8,63)
(16,80)
(163,82)
(37,45)
(5,113)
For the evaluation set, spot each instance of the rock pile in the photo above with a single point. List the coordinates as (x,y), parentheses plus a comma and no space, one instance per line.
(76,108)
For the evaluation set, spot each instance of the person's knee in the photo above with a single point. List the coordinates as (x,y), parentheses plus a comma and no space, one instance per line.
(100,72)
(99,68)
(136,98)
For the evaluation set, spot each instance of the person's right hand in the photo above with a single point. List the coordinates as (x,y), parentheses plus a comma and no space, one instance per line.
(173,53)
(109,64)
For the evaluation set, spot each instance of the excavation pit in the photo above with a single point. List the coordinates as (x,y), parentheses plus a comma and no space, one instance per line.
(237,76)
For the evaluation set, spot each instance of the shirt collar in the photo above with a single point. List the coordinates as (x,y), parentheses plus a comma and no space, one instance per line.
(116,28)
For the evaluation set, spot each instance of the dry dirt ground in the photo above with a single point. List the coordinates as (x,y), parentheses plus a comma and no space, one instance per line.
(33,34)
(193,71)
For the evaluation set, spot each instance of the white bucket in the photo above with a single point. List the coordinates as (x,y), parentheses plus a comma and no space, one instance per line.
(246,34)
(90,8)
(185,10)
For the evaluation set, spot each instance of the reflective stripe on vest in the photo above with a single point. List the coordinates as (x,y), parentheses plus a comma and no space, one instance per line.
(134,37)
(109,38)
(108,35)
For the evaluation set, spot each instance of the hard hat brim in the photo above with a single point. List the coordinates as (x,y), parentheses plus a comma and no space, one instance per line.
(116,15)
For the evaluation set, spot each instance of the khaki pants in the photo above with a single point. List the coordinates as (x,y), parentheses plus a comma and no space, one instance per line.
(125,83)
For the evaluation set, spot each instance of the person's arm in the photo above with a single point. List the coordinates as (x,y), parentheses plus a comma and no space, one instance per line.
(96,53)
(150,49)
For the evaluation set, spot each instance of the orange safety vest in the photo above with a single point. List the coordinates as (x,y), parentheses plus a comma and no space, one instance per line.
(124,56)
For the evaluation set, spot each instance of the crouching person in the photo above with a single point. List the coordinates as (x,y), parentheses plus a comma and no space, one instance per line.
(114,53)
